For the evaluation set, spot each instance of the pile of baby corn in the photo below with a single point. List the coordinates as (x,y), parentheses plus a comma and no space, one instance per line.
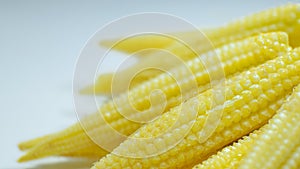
(259,101)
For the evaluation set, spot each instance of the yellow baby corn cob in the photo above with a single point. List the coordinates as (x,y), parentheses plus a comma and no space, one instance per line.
(118,87)
(276,19)
(273,147)
(230,156)
(293,161)
(246,96)
(283,18)
(235,57)
(29,144)
(145,41)
(79,153)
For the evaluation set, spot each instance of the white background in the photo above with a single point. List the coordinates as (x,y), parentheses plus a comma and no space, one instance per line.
(39,44)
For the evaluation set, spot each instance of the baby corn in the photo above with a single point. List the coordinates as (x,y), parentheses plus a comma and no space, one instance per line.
(285,18)
(245,96)
(293,161)
(273,147)
(235,57)
(230,156)
(146,41)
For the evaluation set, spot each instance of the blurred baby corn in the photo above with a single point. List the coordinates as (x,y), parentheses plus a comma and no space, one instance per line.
(284,18)
(233,88)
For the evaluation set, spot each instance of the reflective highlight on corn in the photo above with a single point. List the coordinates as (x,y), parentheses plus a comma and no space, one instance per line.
(272,149)
(246,95)
(230,156)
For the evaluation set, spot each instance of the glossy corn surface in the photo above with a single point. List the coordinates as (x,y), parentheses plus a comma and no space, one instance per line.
(280,139)
(293,161)
(235,57)
(230,156)
(245,96)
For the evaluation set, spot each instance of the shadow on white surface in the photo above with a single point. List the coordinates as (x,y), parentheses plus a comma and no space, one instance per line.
(70,164)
